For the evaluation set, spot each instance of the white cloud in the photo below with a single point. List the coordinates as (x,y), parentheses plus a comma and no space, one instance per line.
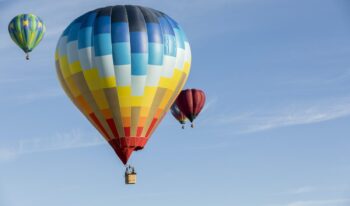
(59,141)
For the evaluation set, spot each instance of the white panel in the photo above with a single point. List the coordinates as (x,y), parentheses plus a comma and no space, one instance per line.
(105,65)
(93,58)
(180,58)
(123,74)
(168,66)
(153,75)
(85,57)
(187,52)
(72,51)
(138,85)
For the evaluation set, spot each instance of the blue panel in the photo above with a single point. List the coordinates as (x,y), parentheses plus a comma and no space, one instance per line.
(154,33)
(172,22)
(179,39)
(89,20)
(121,53)
(73,32)
(120,32)
(66,31)
(166,27)
(119,14)
(169,45)
(136,19)
(139,64)
(138,42)
(156,52)
(184,37)
(102,25)
(102,44)
(85,37)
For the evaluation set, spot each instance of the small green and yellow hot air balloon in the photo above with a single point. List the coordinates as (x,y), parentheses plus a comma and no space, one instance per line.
(26,30)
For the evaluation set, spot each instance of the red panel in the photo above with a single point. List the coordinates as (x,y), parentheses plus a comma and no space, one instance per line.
(151,126)
(185,104)
(127,131)
(111,125)
(198,101)
(139,131)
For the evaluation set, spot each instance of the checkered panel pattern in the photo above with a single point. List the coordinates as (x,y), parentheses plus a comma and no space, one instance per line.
(123,67)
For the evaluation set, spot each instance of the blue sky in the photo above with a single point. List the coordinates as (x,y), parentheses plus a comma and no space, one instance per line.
(275,130)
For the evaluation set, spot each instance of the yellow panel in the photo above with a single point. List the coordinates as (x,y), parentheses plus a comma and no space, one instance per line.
(108,82)
(56,55)
(187,67)
(166,98)
(64,66)
(92,79)
(181,83)
(144,111)
(124,96)
(75,67)
(136,101)
(72,87)
(175,79)
(124,91)
(148,96)
(100,99)
(164,82)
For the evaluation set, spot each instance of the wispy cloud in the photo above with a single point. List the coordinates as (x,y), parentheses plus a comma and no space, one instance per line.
(15,80)
(59,141)
(293,115)
(302,190)
(210,103)
(38,95)
(316,189)
(333,202)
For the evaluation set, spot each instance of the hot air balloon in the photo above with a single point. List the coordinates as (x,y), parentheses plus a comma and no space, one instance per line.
(179,116)
(123,67)
(26,30)
(191,102)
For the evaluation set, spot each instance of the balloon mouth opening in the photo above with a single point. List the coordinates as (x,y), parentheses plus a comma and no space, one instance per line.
(138,148)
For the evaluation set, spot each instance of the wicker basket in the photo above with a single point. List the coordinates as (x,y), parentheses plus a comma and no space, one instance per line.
(130,178)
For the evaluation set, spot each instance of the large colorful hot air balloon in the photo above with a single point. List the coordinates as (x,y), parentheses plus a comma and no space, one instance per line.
(123,67)
(179,116)
(191,102)
(26,30)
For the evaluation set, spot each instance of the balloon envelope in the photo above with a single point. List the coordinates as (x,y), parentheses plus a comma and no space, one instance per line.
(123,67)
(176,112)
(26,30)
(191,102)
